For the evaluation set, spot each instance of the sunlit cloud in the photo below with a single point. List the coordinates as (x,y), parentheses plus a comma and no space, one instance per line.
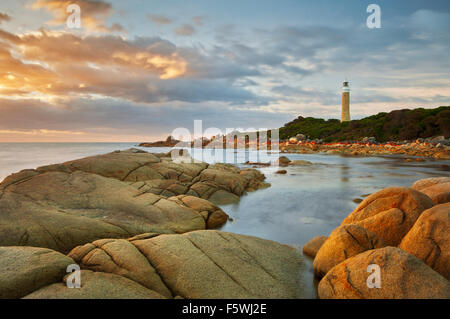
(55,81)
(4,17)
(160,19)
(60,63)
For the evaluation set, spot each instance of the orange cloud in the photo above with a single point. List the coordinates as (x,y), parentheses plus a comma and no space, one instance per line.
(60,63)
(4,17)
(93,13)
(41,132)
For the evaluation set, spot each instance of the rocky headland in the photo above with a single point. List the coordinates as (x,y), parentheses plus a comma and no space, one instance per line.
(169,142)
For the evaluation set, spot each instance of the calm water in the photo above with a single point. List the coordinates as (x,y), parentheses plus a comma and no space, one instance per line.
(306,202)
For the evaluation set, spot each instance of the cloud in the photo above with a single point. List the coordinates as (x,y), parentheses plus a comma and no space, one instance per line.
(94,13)
(41,132)
(160,19)
(4,17)
(198,20)
(107,116)
(109,86)
(93,61)
(185,30)
(144,70)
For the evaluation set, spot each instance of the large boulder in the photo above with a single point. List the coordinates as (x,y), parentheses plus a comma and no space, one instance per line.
(437,188)
(312,247)
(201,264)
(402,276)
(390,213)
(96,285)
(344,242)
(429,239)
(26,269)
(283,161)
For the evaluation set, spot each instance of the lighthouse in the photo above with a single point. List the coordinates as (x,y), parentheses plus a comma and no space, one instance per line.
(345,113)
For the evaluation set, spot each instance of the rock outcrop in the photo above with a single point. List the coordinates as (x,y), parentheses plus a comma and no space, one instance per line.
(213,264)
(429,239)
(199,264)
(402,276)
(169,142)
(115,196)
(213,215)
(283,161)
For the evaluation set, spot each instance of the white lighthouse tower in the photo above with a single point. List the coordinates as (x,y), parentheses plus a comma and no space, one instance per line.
(345,113)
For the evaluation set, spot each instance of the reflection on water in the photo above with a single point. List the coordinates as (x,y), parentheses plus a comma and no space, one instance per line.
(306,202)
(312,200)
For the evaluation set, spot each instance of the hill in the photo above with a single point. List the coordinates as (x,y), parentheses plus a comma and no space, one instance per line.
(397,125)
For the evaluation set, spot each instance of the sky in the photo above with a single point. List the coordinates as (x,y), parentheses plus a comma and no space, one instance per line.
(137,70)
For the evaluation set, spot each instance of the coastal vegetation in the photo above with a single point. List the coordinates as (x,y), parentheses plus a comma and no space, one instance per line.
(397,125)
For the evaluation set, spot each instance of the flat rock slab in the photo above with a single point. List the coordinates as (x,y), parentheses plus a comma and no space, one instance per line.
(203,264)
(26,269)
(96,285)
(116,195)
(62,210)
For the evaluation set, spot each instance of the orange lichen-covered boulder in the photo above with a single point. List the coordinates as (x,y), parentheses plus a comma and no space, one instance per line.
(429,239)
(312,247)
(437,188)
(345,241)
(384,273)
(390,213)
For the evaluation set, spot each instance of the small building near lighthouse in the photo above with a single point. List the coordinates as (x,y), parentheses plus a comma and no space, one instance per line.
(345,112)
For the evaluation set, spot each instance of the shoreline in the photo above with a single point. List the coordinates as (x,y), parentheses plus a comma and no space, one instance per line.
(419,150)
(422,150)
(437,147)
